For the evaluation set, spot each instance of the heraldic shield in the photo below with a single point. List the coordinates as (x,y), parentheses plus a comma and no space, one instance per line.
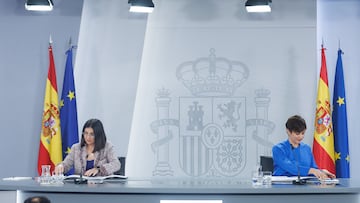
(212,137)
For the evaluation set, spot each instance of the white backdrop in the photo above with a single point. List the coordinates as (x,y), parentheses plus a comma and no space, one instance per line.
(277,50)
(110,54)
(280,51)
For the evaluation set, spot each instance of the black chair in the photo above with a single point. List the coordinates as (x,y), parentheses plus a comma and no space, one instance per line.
(121,171)
(267,163)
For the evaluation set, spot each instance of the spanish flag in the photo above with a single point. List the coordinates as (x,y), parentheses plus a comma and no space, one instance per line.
(323,145)
(50,150)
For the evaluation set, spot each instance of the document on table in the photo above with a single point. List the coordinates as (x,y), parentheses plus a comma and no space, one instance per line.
(283,179)
(309,179)
(17,178)
(109,177)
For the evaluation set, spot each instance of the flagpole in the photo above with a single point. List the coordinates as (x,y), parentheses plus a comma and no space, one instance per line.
(70,44)
(50,40)
(322,43)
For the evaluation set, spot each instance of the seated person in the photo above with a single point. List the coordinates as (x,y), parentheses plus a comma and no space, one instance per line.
(293,157)
(37,199)
(93,156)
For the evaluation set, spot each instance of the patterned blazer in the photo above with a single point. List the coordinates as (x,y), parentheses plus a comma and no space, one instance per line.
(105,159)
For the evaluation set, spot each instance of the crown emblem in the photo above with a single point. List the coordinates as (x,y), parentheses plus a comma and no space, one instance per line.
(163,92)
(212,75)
(262,92)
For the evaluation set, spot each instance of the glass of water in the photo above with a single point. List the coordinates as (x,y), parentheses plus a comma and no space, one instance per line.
(257,177)
(57,178)
(45,174)
(267,176)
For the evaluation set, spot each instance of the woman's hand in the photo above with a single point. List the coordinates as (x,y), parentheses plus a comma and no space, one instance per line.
(321,174)
(92,172)
(330,175)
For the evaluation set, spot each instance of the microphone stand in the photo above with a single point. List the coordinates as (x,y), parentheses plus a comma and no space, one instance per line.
(298,181)
(81,180)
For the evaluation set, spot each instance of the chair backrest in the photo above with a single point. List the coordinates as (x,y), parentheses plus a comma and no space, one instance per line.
(267,163)
(121,171)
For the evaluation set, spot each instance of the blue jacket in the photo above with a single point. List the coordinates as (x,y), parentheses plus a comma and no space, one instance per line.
(290,161)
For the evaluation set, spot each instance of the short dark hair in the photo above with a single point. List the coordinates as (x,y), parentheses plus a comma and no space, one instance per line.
(99,133)
(37,199)
(295,124)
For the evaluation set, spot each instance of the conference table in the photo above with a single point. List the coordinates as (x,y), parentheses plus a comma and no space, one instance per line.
(156,190)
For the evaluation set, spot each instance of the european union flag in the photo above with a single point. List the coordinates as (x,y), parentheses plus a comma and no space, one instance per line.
(68,112)
(339,117)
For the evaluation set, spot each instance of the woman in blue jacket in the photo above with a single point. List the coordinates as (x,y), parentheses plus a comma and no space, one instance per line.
(292,157)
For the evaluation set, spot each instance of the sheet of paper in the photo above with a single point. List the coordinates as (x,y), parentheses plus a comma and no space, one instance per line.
(17,178)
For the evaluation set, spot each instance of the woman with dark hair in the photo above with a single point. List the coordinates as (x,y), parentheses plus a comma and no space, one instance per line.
(37,199)
(93,156)
(292,157)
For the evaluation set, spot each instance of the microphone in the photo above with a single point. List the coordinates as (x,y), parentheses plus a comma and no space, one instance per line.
(81,174)
(298,181)
(81,180)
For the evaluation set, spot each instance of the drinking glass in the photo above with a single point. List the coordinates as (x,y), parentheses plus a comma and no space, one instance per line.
(45,174)
(267,176)
(257,177)
(57,178)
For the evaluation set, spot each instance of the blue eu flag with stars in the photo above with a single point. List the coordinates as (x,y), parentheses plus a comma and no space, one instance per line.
(339,116)
(68,112)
